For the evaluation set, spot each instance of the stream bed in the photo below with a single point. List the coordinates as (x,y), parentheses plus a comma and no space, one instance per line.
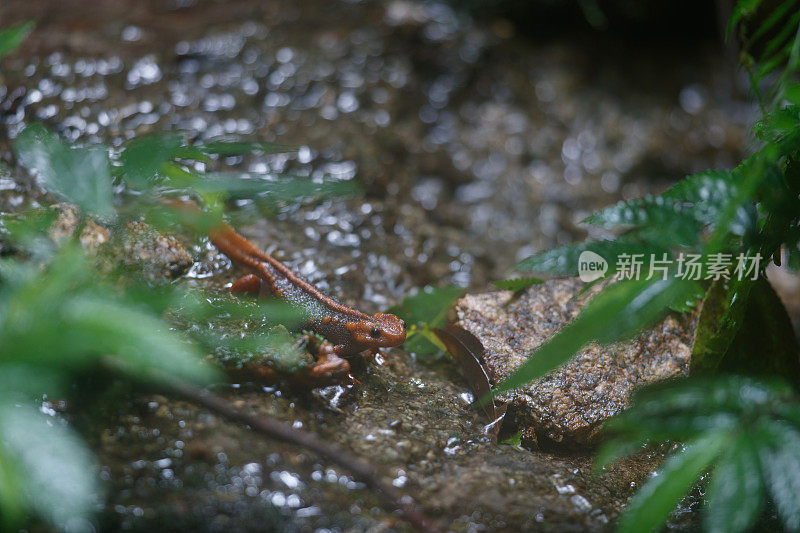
(474,146)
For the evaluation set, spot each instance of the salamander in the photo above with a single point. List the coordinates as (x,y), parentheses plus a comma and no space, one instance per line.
(349,331)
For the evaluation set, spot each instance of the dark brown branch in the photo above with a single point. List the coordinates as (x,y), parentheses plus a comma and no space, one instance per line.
(274,428)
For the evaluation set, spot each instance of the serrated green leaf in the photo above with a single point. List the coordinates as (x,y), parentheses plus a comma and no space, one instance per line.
(683,409)
(517,284)
(651,506)
(688,408)
(615,314)
(706,191)
(670,219)
(776,15)
(81,176)
(12,37)
(736,492)
(736,216)
(564,260)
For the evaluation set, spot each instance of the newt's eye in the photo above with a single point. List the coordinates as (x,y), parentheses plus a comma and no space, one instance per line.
(375,333)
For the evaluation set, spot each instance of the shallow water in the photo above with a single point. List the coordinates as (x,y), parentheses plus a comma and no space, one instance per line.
(475,147)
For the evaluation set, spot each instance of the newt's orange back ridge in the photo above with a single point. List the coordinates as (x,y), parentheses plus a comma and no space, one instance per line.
(351,331)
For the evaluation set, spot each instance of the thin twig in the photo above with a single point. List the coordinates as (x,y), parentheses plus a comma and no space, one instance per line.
(278,430)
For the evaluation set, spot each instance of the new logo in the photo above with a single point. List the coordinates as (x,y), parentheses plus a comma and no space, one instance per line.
(591,266)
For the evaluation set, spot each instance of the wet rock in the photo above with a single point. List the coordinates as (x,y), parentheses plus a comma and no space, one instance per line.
(139,245)
(569,405)
(69,220)
(158,255)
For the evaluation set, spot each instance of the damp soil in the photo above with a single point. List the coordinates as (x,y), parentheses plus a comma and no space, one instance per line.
(474,147)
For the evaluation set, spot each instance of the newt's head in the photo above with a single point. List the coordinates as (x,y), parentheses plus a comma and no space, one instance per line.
(382,330)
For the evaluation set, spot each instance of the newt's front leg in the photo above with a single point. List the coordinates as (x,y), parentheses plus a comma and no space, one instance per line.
(247,284)
(329,365)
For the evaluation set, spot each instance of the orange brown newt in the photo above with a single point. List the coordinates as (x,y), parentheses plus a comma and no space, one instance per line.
(348,330)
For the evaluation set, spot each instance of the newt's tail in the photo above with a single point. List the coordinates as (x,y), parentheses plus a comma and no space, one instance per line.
(237,248)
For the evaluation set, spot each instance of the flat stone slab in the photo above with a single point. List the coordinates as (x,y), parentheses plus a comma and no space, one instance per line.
(569,405)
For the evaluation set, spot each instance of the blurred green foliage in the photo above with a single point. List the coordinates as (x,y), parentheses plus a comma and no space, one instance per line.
(12,37)
(517,284)
(58,320)
(64,314)
(746,431)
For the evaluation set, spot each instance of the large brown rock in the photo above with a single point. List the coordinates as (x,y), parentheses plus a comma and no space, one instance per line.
(569,405)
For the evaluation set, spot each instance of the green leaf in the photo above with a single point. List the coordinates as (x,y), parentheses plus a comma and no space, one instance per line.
(794,258)
(706,191)
(683,409)
(143,158)
(12,37)
(651,506)
(765,344)
(743,9)
(777,15)
(12,501)
(234,148)
(65,318)
(517,284)
(737,215)
(513,440)
(736,492)
(792,93)
(193,153)
(617,313)
(564,260)
(276,348)
(428,306)
(669,220)
(693,297)
(78,175)
(422,312)
(781,465)
(720,318)
(286,188)
(140,339)
(55,471)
